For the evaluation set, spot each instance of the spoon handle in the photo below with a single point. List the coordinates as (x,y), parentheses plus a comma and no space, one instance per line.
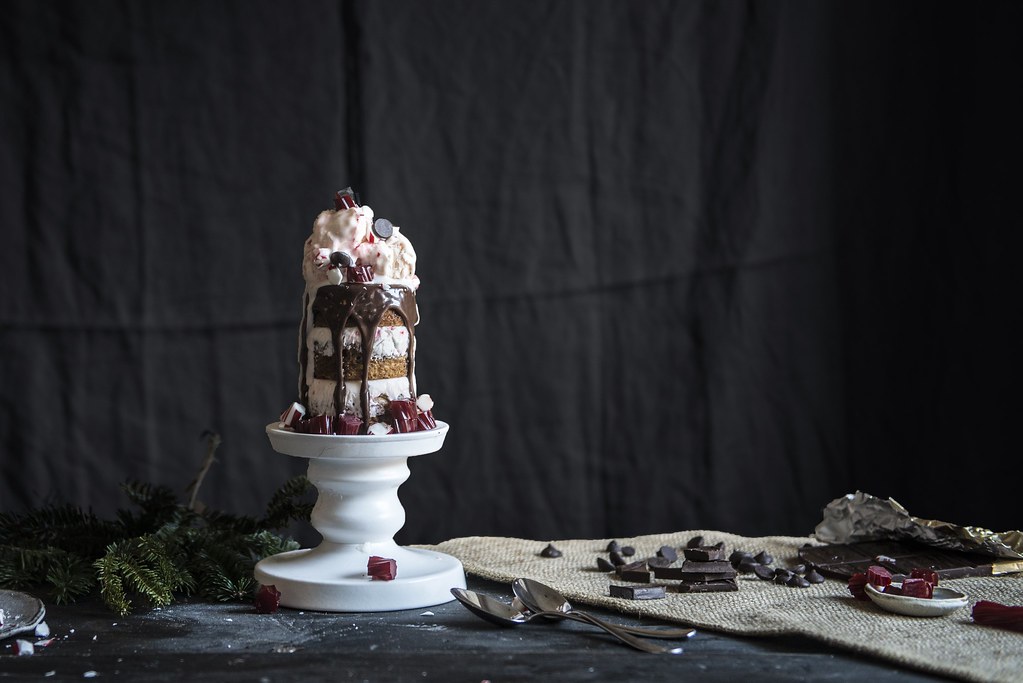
(621,635)
(666,632)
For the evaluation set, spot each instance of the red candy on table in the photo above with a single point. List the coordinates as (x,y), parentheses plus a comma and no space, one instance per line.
(268,599)
(878,576)
(857,583)
(381,568)
(318,424)
(917,588)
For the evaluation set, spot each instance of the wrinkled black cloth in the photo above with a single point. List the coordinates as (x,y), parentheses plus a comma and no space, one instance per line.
(684,264)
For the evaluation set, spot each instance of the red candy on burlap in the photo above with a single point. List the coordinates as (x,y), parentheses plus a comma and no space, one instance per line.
(857,586)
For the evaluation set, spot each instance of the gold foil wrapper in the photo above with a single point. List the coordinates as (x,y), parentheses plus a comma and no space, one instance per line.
(860,516)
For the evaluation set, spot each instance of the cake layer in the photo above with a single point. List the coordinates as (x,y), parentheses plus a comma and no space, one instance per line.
(381,391)
(388,342)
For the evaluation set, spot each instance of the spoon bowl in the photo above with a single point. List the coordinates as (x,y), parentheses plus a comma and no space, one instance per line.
(503,614)
(541,598)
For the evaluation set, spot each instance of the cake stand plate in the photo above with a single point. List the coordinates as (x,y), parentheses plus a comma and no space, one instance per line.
(358,512)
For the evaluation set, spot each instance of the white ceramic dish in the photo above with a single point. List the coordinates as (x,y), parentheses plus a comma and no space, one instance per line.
(945,601)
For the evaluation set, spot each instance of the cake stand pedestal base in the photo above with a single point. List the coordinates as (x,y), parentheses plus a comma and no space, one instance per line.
(358,512)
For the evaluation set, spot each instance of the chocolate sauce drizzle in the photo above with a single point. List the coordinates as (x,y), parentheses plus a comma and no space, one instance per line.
(362,306)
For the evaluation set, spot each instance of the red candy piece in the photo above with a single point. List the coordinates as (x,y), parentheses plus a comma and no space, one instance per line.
(403,413)
(878,576)
(917,588)
(426,421)
(857,583)
(347,424)
(319,424)
(292,415)
(928,575)
(381,568)
(268,599)
(359,273)
(345,199)
(996,614)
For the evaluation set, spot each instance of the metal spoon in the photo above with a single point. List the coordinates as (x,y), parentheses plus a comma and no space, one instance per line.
(503,614)
(541,598)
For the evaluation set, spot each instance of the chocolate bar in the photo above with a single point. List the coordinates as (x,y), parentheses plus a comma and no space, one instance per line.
(724,585)
(636,592)
(709,567)
(901,558)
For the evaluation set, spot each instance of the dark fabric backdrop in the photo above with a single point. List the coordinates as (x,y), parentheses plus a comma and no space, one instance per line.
(684,264)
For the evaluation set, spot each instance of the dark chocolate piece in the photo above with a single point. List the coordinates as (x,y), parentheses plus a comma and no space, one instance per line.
(763,572)
(636,592)
(658,561)
(764,557)
(550,551)
(746,565)
(616,558)
(798,569)
(604,566)
(637,575)
(725,585)
(668,553)
(638,565)
(695,542)
(738,556)
(813,577)
(613,547)
(719,566)
(628,551)
(797,581)
(707,554)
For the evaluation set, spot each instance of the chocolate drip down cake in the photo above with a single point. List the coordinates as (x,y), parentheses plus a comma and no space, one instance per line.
(357,344)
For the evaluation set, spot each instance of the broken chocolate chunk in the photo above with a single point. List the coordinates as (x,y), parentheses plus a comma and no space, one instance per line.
(636,592)
(707,554)
(725,585)
(658,561)
(616,558)
(695,542)
(550,551)
(637,575)
(604,566)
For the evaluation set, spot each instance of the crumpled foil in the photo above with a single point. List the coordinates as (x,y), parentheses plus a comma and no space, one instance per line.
(860,516)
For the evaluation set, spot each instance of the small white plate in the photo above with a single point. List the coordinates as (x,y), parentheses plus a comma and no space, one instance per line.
(22,612)
(945,601)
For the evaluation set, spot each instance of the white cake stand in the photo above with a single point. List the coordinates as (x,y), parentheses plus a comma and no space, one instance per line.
(358,512)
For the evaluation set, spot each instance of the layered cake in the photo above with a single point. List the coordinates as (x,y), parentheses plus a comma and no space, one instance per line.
(357,344)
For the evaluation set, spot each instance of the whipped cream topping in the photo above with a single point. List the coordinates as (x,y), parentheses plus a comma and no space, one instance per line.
(350,231)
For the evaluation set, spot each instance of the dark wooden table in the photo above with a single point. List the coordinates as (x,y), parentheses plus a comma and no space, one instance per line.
(231,642)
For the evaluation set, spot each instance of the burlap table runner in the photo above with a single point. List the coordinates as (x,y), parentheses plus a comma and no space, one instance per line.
(952,645)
